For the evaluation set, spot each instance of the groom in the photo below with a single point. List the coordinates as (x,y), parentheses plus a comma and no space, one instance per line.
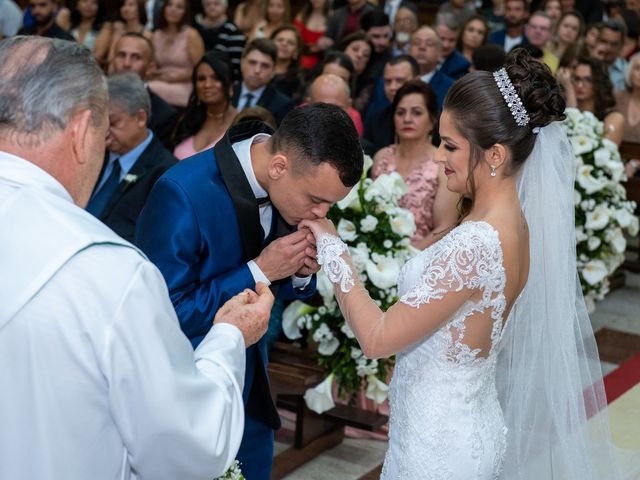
(225,218)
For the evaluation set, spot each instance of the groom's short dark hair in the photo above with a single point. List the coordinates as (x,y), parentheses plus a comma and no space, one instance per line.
(321,133)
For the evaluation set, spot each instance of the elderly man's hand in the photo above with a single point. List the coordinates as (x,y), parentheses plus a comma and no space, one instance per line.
(249,311)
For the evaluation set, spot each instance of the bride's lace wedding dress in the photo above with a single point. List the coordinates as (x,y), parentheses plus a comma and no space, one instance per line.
(446,422)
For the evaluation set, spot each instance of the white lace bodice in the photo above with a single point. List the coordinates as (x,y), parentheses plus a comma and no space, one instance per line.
(446,422)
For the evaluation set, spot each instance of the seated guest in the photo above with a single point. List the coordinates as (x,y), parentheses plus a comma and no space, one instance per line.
(343,22)
(135,158)
(131,17)
(628,101)
(426,49)
(312,23)
(516,13)
(489,57)
(134,53)
(359,49)
(453,63)
(567,36)
(287,76)
(177,48)
(209,113)
(460,9)
(247,14)
(611,39)
(379,128)
(258,68)
(433,205)
(340,64)
(276,13)
(539,31)
(219,33)
(404,24)
(473,34)
(329,88)
(44,21)
(89,28)
(375,25)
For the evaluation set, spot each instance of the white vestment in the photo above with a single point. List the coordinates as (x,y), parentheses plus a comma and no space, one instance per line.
(97,381)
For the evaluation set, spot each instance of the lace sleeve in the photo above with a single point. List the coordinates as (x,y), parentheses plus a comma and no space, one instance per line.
(446,275)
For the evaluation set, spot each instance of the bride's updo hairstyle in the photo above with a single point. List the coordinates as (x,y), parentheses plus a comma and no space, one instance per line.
(481,115)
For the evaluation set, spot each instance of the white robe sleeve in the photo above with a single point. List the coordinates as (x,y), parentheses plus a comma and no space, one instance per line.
(179,412)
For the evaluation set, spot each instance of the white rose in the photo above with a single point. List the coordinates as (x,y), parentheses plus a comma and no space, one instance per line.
(623,216)
(580,235)
(356,353)
(320,398)
(359,256)
(616,169)
(387,187)
(601,157)
(383,273)
(582,144)
(402,222)
(294,311)
(589,183)
(598,218)
(594,272)
(617,240)
(347,230)
(352,200)
(346,329)
(368,223)
(328,347)
(593,243)
(573,115)
(387,244)
(377,390)
(609,145)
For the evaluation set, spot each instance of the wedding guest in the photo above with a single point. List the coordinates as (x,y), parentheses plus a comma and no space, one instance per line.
(590,38)
(44,21)
(134,53)
(96,376)
(405,23)
(218,33)
(453,63)
(331,89)
(342,22)
(553,9)
(568,34)
(628,101)
(473,34)
(209,113)
(612,37)
(177,47)
(135,157)
(89,28)
(287,77)
(516,13)
(340,64)
(375,25)
(276,14)
(589,89)
(631,45)
(494,15)
(131,17)
(412,156)
(312,23)
(460,9)
(360,49)
(538,32)
(247,14)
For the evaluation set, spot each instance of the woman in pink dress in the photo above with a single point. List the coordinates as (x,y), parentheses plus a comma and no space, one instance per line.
(209,113)
(433,205)
(177,48)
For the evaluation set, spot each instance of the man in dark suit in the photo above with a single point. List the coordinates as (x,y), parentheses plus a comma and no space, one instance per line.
(516,13)
(44,21)
(134,53)
(427,50)
(453,63)
(258,66)
(135,158)
(221,221)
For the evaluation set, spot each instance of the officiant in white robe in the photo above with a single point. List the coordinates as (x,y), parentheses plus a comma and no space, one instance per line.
(97,380)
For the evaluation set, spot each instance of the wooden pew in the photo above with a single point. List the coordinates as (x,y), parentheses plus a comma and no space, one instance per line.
(292,371)
(629,151)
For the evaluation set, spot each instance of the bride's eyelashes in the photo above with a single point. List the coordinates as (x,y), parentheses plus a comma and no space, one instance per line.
(450,148)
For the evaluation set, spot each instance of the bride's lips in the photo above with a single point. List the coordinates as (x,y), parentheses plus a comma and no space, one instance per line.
(448,171)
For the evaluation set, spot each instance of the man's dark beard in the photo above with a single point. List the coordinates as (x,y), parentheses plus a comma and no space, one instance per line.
(43,22)
(509,24)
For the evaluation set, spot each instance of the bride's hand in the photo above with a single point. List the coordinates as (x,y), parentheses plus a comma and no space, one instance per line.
(318,227)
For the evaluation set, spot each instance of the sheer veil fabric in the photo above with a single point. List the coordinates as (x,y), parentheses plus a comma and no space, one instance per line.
(549,377)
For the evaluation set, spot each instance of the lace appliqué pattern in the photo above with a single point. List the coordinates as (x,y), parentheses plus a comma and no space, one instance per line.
(330,249)
(446,421)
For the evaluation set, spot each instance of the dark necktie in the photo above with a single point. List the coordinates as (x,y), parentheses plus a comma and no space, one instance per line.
(248,100)
(101,197)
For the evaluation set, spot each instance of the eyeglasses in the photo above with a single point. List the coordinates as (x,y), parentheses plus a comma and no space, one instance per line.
(584,80)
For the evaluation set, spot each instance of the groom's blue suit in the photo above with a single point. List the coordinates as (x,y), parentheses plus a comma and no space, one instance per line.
(200,226)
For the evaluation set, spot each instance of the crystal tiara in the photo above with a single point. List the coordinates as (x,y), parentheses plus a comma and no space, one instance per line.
(511,97)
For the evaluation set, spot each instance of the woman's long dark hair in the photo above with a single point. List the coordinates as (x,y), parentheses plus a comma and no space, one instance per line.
(294,66)
(195,114)
(603,99)
(97,22)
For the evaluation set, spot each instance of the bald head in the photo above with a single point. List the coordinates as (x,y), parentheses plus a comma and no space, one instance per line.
(330,88)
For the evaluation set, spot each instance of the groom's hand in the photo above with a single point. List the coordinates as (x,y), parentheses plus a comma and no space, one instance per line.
(284,257)
(310,264)
(249,311)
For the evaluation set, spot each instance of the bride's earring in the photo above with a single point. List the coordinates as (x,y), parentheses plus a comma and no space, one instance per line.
(493,170)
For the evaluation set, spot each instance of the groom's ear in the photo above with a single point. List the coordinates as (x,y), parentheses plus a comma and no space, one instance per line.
(279,164)
(496,155)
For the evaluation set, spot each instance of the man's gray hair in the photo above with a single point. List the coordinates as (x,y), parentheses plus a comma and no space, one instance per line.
(128,91)
(448,20)
(43,83)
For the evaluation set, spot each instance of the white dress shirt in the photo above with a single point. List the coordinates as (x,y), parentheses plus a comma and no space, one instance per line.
(242,150)
(97,379)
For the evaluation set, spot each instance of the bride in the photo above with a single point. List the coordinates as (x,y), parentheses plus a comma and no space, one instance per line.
(492,379)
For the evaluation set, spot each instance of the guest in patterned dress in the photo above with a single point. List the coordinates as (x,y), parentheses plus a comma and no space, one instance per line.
(412,156)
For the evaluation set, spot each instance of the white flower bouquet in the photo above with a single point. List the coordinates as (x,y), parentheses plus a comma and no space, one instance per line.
(233,472)
(378,234)
(602,213)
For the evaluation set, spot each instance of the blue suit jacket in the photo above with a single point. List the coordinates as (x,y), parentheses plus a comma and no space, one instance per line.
(200,226)
(455,65)
(440,83)
(499,37)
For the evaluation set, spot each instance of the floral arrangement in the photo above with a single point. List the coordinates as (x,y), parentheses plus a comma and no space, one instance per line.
(233,473)
(602,213)
(377,233)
